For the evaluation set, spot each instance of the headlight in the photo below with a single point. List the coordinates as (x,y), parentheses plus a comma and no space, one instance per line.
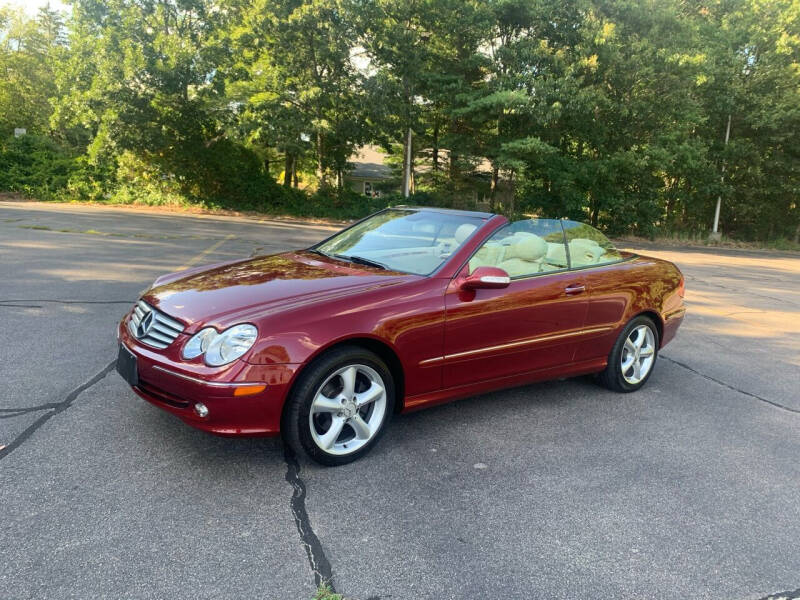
(199,343)
(230,344)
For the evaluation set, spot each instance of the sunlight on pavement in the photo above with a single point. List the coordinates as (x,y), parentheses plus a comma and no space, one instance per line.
(738,295)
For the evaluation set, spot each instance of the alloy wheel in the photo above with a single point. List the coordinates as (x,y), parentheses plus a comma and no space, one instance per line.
(638,354)
(348,409)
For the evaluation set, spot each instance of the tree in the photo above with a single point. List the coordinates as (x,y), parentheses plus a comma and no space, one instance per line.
(611,112)
(29,50)
(755,81)
(298,88)
(153,86)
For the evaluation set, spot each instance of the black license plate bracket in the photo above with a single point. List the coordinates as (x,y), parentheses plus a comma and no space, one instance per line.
(127,366)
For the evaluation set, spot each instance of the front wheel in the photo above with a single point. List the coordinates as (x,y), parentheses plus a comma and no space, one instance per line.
(633,356)
(340,406)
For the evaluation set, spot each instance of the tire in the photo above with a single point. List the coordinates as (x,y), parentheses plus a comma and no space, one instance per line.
(349,389)
(620,374)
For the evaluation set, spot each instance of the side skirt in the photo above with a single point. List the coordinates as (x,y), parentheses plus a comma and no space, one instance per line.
(421,401)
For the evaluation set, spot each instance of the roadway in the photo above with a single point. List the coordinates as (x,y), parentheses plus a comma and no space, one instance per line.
(686,489)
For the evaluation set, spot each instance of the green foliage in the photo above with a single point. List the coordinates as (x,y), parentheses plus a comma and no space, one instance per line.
(36,166)
(324,592)
(297,88)
(30,50)
(336,205)
(610,112)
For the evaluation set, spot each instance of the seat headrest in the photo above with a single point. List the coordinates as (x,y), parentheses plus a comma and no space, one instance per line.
(583,242)
(463,232)
(586,251)
(530,248)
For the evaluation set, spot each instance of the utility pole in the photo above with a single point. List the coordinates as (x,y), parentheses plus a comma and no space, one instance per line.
(715,234)
(407,166)
(424,36)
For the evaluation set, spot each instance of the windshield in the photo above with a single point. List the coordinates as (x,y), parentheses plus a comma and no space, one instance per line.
(410,241)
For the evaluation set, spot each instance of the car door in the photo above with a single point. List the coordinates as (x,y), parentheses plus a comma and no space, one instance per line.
(610,285)
(530,325)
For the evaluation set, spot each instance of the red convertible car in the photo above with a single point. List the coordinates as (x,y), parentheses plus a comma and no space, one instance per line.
(405,309)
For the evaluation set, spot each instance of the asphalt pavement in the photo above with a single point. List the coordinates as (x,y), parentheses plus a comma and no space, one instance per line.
(689,488)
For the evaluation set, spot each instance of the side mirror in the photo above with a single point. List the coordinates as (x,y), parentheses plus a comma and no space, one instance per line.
(484,278)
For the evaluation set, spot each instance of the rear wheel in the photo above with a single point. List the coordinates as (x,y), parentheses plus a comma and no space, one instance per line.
(340,406)
(633,356)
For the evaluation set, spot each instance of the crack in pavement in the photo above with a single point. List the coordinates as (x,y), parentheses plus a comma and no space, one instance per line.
(70,301)
(10,413)
(731,387)
(321,567)
(56,408)
(795,595)
(145,236)
(10,303)
(20,305)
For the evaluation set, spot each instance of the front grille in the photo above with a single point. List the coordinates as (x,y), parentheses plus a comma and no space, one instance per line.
(153,327)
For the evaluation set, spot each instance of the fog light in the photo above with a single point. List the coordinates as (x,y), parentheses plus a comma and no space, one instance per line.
(201,410)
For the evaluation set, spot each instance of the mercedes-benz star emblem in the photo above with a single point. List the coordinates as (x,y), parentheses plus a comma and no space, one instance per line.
(144,325)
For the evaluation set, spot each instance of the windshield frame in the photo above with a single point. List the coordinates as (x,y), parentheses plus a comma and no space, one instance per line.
(481,221)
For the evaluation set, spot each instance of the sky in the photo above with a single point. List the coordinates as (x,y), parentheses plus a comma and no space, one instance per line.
(31,6)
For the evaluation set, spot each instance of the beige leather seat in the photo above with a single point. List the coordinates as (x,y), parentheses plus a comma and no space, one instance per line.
(524,256)
(584,252)
(556,255)
(489,255)
(447,246)
(463,232)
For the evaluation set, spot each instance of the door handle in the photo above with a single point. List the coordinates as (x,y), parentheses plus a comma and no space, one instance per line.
(575,288)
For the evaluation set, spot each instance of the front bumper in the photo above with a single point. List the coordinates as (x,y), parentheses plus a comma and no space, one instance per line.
(176,386)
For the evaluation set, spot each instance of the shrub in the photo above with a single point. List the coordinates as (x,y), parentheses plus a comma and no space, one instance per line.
(36,166)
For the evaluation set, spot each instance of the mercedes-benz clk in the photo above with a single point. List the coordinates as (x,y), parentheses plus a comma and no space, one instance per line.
(408,308)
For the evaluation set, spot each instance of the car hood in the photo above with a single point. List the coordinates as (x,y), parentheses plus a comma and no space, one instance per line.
(222,295)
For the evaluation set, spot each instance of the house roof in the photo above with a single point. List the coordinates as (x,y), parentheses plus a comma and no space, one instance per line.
(455,211)
(368,163)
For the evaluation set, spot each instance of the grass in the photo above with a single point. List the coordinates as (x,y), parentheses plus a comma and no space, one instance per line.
(181,208)
(315,212)
(325,593)
(684,240)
